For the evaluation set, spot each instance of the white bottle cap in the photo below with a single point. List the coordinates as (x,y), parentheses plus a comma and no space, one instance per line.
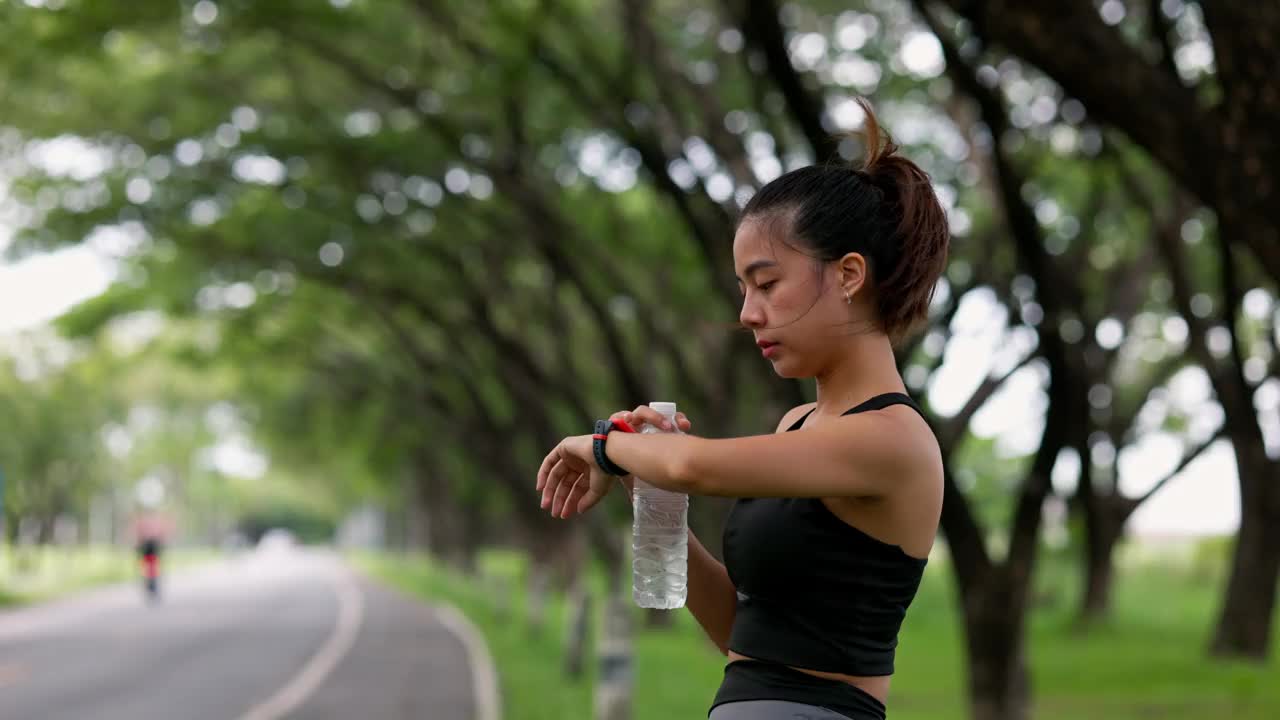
(666,408)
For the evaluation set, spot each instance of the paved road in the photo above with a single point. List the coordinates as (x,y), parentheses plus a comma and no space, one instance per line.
(271,635)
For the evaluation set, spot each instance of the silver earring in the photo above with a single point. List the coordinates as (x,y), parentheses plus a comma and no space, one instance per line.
(848,299)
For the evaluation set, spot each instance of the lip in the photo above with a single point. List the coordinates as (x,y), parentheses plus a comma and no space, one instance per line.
(767,348)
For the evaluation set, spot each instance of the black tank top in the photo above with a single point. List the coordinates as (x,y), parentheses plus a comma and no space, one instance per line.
(813,591)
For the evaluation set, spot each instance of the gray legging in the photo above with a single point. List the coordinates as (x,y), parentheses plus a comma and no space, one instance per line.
(772,710)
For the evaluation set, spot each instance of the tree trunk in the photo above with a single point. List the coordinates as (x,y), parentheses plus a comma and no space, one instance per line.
(578,631)
(471,535)
(1095,605)
(500,586)
(1244,627)
(995,597)
(999,687)
(1105,515)
(536,598)
(45,534)
(614,682)
(417,519)
(610,548)
(434,517)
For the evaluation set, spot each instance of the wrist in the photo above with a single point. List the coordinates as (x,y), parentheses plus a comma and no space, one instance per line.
(599,440)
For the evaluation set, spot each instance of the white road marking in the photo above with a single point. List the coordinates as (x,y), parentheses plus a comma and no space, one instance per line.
(345,630)
(483,675)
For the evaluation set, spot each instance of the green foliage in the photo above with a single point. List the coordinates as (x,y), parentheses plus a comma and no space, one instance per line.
(382,244)
(53,407)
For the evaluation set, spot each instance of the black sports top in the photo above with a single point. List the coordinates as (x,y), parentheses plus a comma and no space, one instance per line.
(813,591)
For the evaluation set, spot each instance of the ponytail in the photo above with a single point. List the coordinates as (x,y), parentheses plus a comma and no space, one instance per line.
(920,233)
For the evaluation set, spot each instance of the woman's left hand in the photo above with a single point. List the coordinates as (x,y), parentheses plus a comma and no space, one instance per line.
(570,480)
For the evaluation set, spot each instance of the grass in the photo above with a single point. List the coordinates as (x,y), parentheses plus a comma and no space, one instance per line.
(1148,661)
(41,573)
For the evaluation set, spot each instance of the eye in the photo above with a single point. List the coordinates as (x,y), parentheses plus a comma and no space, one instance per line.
(765,286)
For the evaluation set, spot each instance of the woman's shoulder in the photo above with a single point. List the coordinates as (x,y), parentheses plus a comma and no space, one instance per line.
(794,414)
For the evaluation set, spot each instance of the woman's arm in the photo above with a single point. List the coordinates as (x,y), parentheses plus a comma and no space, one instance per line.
(853,455)
(712,599)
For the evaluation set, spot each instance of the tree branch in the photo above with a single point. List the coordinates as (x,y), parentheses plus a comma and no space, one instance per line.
(540,215)
(1063,419)
(965,540)
(762,29)
(1187,458)
(1231,300)
(954,428)
(1066,415)
(707,234)
(1273,329)
(1232,392)
(1121,425)
(1127,290)
(672,83)
(1235,144)
(1070,42)
(1161,29)
(548,232)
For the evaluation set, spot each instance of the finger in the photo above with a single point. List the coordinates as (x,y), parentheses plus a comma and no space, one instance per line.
(683,423)
(634,418)
(639,416)
(548,462)
(646,414)
(575,494)
(559,473)
(562,491)
(543,489)
(627,417)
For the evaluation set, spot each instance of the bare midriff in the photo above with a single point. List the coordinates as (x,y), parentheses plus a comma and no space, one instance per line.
(877,686)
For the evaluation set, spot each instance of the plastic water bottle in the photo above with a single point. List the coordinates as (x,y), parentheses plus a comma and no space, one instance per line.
(660,537)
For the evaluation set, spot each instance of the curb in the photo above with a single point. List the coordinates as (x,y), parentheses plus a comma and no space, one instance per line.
(484,675)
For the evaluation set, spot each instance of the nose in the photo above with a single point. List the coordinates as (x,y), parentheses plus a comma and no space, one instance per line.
(751,315)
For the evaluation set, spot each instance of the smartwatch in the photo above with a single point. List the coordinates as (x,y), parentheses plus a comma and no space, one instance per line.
(599,437)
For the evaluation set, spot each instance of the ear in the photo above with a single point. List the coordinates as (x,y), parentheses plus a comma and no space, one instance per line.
(853,273)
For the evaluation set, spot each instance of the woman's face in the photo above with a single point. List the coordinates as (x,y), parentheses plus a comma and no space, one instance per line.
(793,304)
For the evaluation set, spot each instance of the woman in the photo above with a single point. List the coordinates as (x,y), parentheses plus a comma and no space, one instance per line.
(837,510)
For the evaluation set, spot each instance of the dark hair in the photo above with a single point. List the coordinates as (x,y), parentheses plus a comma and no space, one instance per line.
(886,210)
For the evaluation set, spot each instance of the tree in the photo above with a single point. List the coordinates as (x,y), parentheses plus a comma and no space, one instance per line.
(1209,127)
(51,451)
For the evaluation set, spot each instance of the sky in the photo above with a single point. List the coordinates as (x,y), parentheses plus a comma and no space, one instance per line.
(40,288)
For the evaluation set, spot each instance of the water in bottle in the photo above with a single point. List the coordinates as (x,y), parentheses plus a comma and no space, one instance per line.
(660,537)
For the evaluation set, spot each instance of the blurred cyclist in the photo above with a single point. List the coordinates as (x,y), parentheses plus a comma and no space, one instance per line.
(150,530)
